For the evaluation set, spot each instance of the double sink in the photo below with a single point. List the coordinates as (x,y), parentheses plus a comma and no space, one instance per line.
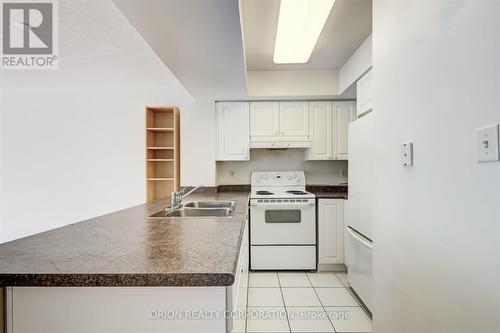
(214,208)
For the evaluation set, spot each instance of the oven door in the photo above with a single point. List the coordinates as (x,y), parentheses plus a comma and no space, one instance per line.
(283,223)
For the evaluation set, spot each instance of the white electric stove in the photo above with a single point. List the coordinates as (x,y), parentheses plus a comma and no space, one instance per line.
(282,222)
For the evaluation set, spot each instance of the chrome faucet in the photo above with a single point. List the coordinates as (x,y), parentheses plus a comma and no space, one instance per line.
(176,197)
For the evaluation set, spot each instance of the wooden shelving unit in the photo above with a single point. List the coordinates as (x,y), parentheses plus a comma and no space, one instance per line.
(162,151)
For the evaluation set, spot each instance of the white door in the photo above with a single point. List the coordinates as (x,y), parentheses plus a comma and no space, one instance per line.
(320,131)
(264,119)
(361,176)
(345,112)
(233,140)
(294,119)
(331,231)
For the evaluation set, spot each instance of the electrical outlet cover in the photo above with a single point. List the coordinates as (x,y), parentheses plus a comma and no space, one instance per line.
(487,144)
(407,154)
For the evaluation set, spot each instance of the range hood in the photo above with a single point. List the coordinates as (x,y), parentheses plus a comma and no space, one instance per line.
(281,144)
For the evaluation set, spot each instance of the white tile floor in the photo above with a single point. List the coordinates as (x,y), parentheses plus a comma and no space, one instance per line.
(303,302)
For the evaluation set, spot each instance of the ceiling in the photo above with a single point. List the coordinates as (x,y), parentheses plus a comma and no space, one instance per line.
(348,25)
(198,40)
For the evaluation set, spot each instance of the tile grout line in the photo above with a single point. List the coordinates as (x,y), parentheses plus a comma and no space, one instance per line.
(284,304)
(319,299)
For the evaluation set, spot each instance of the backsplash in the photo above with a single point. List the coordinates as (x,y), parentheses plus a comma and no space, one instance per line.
(317,172)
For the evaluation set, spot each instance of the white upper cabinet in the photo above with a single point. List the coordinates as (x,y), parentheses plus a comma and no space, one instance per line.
(344,113)
(279,124)
(364,94)
(233,137)
(329,129)
(264,119)
(294,119)
(320,129)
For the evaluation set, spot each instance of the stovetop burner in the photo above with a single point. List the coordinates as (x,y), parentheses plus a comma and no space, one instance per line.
(264,193)
(296,192)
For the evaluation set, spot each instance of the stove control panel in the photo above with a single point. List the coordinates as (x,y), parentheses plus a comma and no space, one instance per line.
(278,178)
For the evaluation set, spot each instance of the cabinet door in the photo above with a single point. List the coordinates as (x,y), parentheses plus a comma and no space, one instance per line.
(233,140)
(320,131)
(345,112)
(364,94)
(294,119)
(331,231)
(264,119)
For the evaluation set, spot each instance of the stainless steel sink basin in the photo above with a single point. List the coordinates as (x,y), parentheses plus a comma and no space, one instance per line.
(205,212)
(211,204)
(195,212)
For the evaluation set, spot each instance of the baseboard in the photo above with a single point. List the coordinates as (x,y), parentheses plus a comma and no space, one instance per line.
(332,268)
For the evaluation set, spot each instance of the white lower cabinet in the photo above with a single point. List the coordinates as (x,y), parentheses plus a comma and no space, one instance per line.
(238,293)
(113,309)
(330,231)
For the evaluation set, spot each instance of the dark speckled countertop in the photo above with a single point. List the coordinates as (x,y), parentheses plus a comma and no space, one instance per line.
(126,248)
(328,191)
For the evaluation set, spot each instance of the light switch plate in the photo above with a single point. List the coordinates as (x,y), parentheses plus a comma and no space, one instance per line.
(407,154)
(487,144)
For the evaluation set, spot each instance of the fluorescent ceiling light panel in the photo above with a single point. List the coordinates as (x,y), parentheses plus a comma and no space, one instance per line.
(299,25)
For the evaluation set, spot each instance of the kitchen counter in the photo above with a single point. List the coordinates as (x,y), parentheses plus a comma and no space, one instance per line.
(328,191)
(331,195)
(125,248)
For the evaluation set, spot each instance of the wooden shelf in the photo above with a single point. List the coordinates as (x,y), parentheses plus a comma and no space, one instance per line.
(162,151)
(160,129)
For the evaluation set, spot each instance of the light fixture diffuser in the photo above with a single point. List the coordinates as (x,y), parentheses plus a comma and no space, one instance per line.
(299,25)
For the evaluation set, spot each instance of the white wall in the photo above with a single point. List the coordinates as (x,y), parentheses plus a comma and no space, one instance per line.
(293,83)
(317,172)
(436,225)
(72,140)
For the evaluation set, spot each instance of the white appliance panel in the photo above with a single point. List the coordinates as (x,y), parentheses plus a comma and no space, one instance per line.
(359,237)
(358,259)
(283,257)
(361,176)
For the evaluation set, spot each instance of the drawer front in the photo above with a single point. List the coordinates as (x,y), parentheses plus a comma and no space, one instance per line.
(283,257)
